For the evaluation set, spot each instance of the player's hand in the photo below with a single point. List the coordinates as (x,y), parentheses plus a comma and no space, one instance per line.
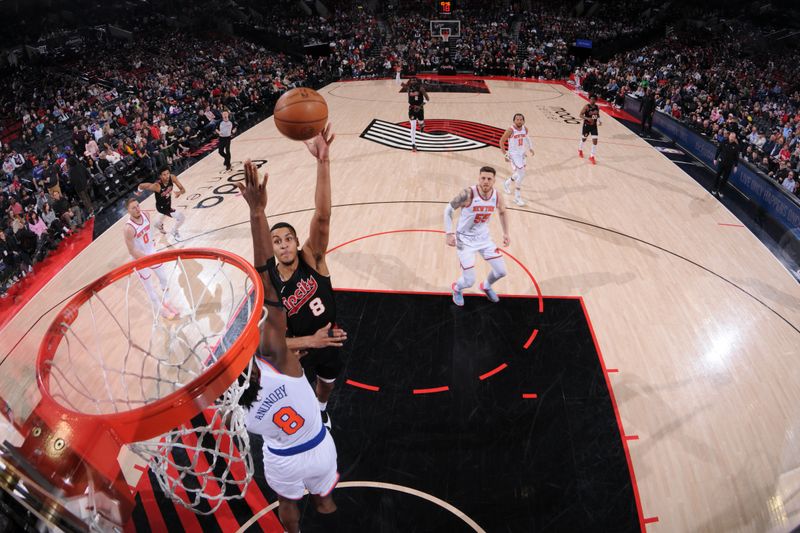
(319,146)
(178,193)
(506,241)
(327,336)
(253,190)
(450,239)
(532,154)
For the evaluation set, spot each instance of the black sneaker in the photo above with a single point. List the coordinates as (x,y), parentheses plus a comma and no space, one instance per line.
(326,420)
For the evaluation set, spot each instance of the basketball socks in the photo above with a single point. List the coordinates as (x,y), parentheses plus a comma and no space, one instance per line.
(421,125)
(594,149)
(413,132)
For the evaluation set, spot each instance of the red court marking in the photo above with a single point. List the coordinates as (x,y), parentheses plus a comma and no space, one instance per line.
(254,496)
(364,386)
(517,261)
(224,514)
(631,437)
(651,520)
(154,517)
(530,396)
(530,339)
(431,391)
(619,419)
(491,373)
(731,225)
(528,272)
(610,370)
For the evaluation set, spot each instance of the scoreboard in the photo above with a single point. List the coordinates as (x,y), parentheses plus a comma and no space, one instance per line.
(445,7)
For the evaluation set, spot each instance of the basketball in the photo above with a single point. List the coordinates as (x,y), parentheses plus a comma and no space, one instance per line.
(301,113)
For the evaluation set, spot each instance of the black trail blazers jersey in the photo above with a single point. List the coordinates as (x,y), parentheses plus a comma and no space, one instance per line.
(307,297)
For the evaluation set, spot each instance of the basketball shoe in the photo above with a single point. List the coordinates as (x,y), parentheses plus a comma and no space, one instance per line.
(493,297)
(458,296)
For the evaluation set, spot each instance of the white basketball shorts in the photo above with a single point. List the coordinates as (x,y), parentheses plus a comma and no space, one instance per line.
(517,160)
(466,252)
(314,470)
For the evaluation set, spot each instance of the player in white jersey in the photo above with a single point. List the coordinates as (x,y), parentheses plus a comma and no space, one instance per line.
(299,453)
(472,236)
(139,240)
(518,143)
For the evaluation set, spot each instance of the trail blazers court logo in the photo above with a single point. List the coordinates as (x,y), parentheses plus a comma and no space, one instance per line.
(439,136)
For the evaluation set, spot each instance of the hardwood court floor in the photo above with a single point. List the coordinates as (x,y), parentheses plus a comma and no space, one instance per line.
(699,321)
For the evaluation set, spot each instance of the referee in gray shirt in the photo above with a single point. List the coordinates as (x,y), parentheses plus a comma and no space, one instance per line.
(225,130)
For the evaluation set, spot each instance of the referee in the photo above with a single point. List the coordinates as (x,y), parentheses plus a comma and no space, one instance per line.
(225,130)
(727,160)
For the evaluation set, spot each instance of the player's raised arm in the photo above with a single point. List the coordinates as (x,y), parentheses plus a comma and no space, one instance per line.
(461,200)
(154,187)
(501,210)
(316,246)
(273,334)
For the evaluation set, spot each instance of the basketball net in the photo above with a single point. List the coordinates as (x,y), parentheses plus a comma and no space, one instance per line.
(122,351)
(445,34)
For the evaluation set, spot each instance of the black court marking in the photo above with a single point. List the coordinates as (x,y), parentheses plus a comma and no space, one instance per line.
(436,202)
(508,463)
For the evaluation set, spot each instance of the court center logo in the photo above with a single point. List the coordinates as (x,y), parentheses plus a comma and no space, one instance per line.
(440,135)
(558,114)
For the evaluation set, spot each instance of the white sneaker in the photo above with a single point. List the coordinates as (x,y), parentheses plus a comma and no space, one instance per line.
(175,235)
(507,186)
(518,200)
(160,227)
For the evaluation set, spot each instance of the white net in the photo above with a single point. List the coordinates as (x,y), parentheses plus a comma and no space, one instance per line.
(148,335)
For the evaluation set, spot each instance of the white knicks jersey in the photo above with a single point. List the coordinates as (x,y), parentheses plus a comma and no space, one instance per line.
(519,141)
(473,222)
(142,239)
(286,411)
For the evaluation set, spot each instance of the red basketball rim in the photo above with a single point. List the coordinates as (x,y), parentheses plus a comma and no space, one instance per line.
(155,418)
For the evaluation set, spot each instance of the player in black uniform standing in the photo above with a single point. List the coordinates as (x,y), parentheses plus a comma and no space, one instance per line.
(304,284)
(591,118)
(163,188)
(417,96)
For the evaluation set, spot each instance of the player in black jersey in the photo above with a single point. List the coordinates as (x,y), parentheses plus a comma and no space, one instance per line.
(417,96)
(304,284)
(591,118)
(163,188)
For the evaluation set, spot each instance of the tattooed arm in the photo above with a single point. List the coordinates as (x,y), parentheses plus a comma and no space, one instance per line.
(463,199)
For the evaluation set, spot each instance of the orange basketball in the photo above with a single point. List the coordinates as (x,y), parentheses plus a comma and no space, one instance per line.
(301,113)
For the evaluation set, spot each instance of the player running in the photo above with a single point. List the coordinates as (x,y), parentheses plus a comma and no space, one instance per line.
(591,119)
(163,188)
(417,96)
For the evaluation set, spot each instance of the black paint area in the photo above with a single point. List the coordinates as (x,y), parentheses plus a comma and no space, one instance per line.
(554,463)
